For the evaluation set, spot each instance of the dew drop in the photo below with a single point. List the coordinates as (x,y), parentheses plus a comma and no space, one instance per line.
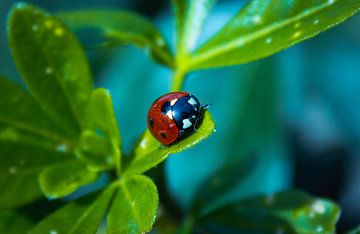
(143,143)
(13,170)
(297,34)
(49,23)
(331,1)
(48,71)
(59,31)
(316,21)
(268,40)
(256,19)
(318,207)
(319,229)
(62,148)
(53,232)
(35,27)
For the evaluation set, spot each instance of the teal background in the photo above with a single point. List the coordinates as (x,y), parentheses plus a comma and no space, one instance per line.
(297,111)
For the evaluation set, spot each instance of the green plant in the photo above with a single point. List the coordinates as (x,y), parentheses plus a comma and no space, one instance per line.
(63,133)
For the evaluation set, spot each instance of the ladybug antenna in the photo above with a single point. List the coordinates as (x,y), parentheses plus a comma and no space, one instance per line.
(206,106)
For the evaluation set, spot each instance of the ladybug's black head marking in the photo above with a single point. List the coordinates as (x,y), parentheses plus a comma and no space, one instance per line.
(165,107)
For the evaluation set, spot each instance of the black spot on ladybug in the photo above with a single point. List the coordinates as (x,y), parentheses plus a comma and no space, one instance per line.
(151,122)
(163,135)
(165,107)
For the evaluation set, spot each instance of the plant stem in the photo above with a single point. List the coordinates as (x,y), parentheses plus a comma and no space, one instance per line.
(178,79)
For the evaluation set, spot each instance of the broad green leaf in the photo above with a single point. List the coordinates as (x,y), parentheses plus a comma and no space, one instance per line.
(19,110)
(190,16)
(105,120)
(82,216)
(220,183)
(52,63)
(14,223)
(354,231)
(21,161)
(264,27)
(134,207)
(285,212)
(141,164)
(96,151)
(111,28)
(62,179)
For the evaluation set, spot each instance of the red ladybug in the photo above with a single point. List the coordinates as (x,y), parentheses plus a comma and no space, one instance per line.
(174,116)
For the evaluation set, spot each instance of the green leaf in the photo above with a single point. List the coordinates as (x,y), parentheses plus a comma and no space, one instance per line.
(20,164)
(81,216)
(105,120)
(95,151)
(14,223)
(19,110)
(265,27)
(52,63)
(143,163)
(135,206)
(62,179)
(190,17)
(220,183)
(112,28)
(285,212)
(355,230)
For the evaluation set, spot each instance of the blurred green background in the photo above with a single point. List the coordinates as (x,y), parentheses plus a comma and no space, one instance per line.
(298,111)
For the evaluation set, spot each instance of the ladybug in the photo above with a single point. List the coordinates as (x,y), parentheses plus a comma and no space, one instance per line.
(174,116)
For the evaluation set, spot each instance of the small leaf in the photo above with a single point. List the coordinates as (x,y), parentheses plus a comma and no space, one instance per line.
(105,120)
(112,28)
(221,182)
(81,216)
(141,164)
(264,27)
(285,212)
(20,110)
(52,64)
(135,206)
(14,223)
(95,151)
(20,163)
(63,179)
(190,16)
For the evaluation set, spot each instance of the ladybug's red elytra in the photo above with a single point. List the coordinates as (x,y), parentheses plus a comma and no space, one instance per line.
(174,116)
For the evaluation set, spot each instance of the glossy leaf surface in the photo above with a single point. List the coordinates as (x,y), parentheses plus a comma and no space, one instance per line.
(21,160)
(154,157)
(285,212)
(52,63)
(111,28)
(81,216)
(190,16)
(264,27)
(62,179)
(19,110)
(134,207)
